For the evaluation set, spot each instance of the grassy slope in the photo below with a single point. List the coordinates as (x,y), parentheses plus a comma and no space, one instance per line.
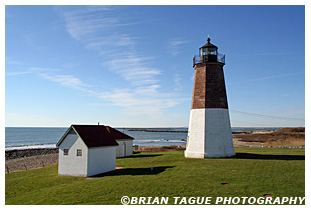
(254,172)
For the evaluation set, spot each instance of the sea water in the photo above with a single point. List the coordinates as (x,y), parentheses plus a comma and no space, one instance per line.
(39,137)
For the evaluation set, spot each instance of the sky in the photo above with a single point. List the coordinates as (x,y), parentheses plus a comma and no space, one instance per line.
(131,66)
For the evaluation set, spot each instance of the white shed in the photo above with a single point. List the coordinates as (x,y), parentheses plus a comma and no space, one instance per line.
(86,150)
(125,142)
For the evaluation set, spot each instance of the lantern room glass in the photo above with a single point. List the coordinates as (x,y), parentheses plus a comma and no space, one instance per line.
(208,51)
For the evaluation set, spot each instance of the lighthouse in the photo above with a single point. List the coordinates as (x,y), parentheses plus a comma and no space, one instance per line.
(209,132)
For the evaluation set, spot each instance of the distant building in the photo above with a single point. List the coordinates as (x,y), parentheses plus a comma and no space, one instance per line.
(125,142)
(87,150)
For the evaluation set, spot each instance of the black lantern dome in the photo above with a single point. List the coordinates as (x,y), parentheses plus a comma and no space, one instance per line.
(208,53)
(208,48)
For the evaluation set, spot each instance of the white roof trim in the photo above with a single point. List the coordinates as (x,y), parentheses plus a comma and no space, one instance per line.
(64,136)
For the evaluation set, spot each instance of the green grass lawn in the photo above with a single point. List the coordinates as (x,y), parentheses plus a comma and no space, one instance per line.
(252,173)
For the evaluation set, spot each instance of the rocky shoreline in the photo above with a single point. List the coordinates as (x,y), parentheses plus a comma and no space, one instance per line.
(23,153)
(25,159)
(26,163)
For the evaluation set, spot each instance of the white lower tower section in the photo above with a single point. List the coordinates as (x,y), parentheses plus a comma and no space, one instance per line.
(209,134)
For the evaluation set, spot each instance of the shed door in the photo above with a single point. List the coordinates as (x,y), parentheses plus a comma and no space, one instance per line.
(123,149)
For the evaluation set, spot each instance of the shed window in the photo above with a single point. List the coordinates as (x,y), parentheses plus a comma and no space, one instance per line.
(66,151)
(79,152)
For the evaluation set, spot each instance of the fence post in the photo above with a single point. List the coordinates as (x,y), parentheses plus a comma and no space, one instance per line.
(25,166)
(42,163)
(7,169)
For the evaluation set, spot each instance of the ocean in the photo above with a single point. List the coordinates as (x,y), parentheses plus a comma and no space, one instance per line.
(39,137)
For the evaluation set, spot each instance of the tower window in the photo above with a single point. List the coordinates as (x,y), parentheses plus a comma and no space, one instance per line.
(79,152)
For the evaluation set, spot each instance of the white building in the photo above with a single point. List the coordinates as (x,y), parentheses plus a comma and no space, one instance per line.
(125,142)
(87,150)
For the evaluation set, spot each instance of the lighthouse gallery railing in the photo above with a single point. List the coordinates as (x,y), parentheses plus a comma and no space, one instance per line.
(209,58)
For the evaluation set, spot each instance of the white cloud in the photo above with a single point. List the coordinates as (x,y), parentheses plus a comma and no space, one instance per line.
(177,81)
(33,70)
(138,102)
(67,81)
(81,23)
(266,78)
(132,103)
(151,90)
(143,100)
(177,42)
(118,40)
(40,69)
(174,46)
(267,54)
(134,69)
(101,29)
(17,73)
(12,61)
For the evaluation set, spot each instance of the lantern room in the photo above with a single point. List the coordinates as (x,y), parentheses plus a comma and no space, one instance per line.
(208,53)
(208,49)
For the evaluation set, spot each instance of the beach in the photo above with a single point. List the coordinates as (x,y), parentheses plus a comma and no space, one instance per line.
(25,159)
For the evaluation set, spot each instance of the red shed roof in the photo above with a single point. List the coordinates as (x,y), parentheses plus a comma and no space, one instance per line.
(96,135)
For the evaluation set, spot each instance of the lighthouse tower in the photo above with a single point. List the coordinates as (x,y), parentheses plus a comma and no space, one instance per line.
(209,134)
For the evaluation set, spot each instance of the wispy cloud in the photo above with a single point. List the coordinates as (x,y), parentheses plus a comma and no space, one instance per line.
(32,70)
(18,65)
(98,28)
(177,81)
(17,73)
(134,69)
(12,61)
(267,54)
(41,69)
(67,81)
(136,101)
(141,102)
(175,43)
(266,78)
(118,40)
(81,23)
(174,46)
(102,29)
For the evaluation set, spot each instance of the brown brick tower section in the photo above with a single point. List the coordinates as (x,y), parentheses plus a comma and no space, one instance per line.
(209,89)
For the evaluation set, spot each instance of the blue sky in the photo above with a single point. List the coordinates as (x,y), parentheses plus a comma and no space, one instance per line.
(131,66)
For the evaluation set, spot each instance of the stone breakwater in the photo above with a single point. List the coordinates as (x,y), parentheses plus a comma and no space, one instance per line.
(14,154)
